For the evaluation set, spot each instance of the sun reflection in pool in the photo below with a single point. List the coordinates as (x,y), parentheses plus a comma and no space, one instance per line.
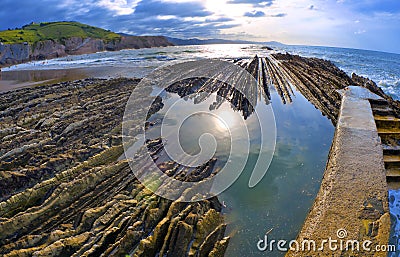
(226,119)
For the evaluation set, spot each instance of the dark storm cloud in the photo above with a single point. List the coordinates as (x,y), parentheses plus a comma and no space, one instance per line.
(175,27)
(177,9)
(17,13)
(143,21)
(255,14)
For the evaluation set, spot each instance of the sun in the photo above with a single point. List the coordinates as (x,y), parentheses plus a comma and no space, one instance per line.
(223,8)
(226,119)
(215,5)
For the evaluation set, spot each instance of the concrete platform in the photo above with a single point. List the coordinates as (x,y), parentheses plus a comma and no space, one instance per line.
(353,193)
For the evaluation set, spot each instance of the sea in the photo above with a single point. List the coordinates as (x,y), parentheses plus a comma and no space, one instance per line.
(279,204)
(383,68)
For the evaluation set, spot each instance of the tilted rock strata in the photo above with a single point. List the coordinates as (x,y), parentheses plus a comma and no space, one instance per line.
(48,129)
(67,192)
(318,80)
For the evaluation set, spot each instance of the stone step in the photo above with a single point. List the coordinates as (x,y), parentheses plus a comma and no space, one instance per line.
(391,161)
(392,165)
(393,185)
(377,102)
(387,124)
(393,130)
(390,150)
(386,118)
(393,173)
(393,178)
(382,110)
(392,140)
(391,158)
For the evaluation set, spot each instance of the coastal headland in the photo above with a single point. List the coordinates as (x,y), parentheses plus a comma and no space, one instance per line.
(49,40)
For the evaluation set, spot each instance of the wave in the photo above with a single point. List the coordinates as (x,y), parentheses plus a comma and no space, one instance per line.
(380,67)
(391,86)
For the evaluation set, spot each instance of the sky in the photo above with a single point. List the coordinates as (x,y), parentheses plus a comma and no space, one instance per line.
(364,24)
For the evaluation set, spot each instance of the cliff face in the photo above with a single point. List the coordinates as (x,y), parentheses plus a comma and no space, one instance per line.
(134,42)
(18,53)
(9,54)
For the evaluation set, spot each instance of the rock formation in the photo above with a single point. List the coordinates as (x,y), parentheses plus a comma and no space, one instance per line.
(17,53)
(66,189)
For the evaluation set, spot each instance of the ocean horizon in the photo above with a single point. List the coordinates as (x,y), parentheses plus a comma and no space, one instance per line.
(381,67)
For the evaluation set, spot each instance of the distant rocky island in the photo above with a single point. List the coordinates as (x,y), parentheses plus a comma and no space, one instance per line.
(47,40)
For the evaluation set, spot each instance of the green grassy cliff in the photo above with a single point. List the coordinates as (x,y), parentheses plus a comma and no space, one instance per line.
(49,40)
(58,31)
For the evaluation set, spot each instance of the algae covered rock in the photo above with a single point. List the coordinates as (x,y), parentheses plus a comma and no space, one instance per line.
(66,191)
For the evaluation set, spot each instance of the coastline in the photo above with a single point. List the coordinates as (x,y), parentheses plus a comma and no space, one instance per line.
(93,112)
(13,80)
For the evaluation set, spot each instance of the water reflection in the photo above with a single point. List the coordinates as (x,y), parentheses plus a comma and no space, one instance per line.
(283,198)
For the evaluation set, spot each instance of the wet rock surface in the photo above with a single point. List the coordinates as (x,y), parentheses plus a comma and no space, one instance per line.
(48,129)
(318,80)
(66,191)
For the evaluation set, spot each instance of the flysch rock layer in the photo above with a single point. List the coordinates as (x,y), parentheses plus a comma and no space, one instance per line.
(65,191)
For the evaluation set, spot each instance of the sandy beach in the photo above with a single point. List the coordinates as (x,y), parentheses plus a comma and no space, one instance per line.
(11,80)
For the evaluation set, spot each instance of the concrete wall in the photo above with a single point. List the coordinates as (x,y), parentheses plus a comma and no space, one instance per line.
(352,203)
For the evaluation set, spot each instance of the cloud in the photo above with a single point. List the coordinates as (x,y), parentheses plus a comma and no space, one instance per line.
(360,31)
(219,20)
(174,26)
(335,22)
(184,9)
(278,15)
(15,14)
(257,3)
(120,7)
(254,14)
(154,17)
